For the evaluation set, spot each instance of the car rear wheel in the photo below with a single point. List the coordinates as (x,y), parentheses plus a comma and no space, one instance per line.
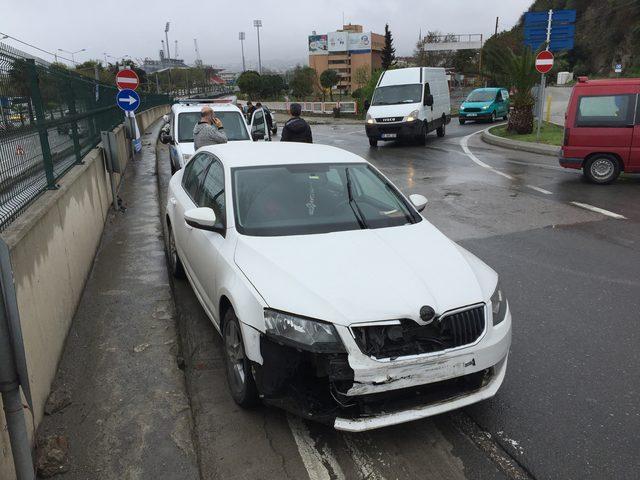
(373,142)
(493,117)
(601,169)
(177,270)
(239,377)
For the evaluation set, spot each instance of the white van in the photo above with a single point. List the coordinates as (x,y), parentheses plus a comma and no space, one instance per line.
(407,104)
(178,131)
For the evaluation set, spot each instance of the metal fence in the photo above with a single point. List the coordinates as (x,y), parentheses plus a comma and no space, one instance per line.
(50,117)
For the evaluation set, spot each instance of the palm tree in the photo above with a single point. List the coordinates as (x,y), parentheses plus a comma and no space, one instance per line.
(517,72)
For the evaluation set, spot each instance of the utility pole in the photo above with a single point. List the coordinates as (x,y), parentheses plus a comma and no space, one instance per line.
(241,37)
(258,24)
(497,19)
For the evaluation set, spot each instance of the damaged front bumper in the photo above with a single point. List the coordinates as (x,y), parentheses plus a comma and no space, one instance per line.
(355,392)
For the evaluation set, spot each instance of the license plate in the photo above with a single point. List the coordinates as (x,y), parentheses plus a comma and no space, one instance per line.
(389,135)
(472,114)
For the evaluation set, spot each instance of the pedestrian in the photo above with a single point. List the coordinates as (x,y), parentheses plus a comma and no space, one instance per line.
(250,110)
(296,129)
(267,116)
(209,130)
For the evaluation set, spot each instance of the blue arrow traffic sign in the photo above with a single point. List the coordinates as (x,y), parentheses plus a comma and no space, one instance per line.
(128,100)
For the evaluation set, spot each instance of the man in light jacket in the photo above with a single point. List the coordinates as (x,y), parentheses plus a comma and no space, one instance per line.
(209,130)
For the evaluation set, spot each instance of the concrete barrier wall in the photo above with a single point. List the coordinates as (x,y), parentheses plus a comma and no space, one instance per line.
(52,247)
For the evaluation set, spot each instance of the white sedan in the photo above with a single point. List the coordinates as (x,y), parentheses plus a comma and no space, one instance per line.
(336,299)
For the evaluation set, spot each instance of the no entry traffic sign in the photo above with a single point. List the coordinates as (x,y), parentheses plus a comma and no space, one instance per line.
(127,79)
(544,61)
(128,100)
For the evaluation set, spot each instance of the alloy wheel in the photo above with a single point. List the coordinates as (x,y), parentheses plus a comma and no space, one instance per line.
(234,351)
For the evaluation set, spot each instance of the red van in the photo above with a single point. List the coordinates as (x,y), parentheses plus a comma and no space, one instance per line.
(602,129)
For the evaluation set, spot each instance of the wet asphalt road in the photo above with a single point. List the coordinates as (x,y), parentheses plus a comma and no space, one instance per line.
(569,406)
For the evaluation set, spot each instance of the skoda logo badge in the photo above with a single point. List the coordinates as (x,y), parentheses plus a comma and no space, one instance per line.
(427,314)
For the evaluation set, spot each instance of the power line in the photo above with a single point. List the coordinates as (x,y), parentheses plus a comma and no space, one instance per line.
(54,55)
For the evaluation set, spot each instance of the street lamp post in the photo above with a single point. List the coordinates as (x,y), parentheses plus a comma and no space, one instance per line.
(73,58)
(241,37)
(258,24)
(166,36)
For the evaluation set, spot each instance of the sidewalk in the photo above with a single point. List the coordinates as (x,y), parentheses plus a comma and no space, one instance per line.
(129,416)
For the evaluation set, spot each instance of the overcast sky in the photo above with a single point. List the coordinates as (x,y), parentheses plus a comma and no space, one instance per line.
(136,27)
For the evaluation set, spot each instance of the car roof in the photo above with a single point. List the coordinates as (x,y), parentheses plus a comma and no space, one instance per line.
(196,107)
(488,89)
(607,82)
(259,154)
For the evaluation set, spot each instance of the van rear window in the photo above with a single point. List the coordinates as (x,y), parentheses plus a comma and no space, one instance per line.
(606,111)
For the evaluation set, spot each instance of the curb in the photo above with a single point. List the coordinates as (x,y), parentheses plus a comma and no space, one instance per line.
(490,138)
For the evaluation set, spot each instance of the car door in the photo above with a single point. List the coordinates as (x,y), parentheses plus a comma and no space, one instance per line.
(604,122)
(428,115)
(184,199)
(500,110)
(205,245)
(259,130)
(634,155)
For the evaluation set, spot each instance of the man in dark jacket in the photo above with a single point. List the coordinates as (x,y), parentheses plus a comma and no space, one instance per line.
(296,129)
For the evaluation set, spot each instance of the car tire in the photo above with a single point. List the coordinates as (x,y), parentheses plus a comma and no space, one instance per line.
(601,169)
(422,138)
(373,142)
(441,130)
(492,119)
(242,386)
(175,264)
(461,120)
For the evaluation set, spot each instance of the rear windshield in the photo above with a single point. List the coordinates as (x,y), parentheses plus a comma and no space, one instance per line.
(233,122)
(481,96)
(397,94)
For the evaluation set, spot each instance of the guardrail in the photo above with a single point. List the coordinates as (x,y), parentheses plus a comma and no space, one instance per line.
(315,107)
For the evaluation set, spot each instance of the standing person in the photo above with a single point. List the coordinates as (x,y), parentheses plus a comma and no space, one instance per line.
(267,116)
(250,110)
(296,129)
(209,130)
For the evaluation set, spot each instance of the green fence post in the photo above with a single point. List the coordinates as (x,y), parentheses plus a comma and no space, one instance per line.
(74,125)
(36,98)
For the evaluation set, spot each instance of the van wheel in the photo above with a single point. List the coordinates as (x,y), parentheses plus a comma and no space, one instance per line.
(373,142)
(239,376)
(601,169)
(461,120)
(440,131)
(422,138)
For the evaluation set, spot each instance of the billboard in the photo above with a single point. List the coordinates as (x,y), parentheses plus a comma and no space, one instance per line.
(318,45)
(338,41)
(359,42)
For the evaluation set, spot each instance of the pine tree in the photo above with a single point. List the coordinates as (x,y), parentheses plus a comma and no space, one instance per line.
(388,52)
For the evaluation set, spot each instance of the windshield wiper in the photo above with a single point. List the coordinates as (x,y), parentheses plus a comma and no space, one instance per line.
(353,204)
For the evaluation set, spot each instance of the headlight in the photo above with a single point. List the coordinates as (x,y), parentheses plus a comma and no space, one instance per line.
(303,333)
(370,119)
(186,157)
(461,107)
(486,107)
(498,305)
(412,116)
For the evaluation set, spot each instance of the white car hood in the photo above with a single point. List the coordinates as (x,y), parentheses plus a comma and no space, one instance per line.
(362,275)
(400,110)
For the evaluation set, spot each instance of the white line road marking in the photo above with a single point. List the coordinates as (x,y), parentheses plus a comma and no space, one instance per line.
(599,210)
(464,141)
(538,189)
(318,463)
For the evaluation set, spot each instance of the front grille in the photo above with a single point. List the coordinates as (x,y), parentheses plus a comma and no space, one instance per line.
(472,109)
(389,119)
(450,330)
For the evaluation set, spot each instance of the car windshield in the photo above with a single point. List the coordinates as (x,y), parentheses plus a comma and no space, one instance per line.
(315,198)
(233,122)
(482,96)
(396,94)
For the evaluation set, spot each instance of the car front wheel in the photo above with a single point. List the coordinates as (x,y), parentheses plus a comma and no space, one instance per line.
(177,270)
(601,169)
(239,377)
(373,142)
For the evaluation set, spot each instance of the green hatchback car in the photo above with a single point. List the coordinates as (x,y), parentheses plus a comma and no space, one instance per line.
(485,104)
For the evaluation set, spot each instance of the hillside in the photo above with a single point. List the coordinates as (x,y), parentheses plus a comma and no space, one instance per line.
(607,32)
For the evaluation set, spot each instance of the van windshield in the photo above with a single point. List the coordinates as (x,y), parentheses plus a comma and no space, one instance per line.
(397,94)
(233,122)
(482,96)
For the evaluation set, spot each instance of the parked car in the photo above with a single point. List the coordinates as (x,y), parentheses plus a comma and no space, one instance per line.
(334,296)
(602,129)
(485,104)
(407,104)
(178,131)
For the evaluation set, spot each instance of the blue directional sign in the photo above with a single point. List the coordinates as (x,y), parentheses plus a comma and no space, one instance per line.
(562,29)
(128,100)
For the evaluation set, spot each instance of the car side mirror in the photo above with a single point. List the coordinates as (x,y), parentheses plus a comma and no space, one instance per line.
(257,135)
(428,100)
(203,218)
(418,201)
